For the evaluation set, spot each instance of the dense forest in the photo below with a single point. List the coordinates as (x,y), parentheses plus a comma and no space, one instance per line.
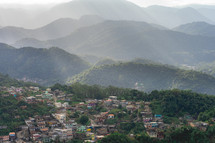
(44,66)
(180,135)
(147,77)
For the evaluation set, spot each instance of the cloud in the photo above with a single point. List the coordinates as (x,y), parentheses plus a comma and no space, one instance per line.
(31,1)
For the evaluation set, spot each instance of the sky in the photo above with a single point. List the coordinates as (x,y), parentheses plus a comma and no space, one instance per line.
(143,3)
(172,2)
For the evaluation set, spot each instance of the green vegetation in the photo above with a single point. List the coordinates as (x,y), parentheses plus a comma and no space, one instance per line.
(13,115)
(179,135)
(116,138)
(177,103)
(83,120)
(145,77)
(135,128)
(5,80)
(45,66)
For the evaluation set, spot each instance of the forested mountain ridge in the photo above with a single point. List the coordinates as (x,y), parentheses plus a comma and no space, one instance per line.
(146,77)
(45,66)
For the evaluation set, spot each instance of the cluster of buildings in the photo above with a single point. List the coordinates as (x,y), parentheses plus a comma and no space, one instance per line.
(63,124)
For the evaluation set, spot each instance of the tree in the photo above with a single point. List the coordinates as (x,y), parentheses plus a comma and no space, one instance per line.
(83,120)
(116,138)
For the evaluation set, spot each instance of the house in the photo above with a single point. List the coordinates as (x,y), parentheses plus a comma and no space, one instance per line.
(147,103)
(45,139)
(147,119)
(12,136)
(52,123)
(89,107)
(152,133)
(58,104)
(123,103)
(82,129)
(151,125)
(111,116)
(61,117)
(69,124)
(49,89)
(36,136)
(157,116)
(108,102)
(65,104)
(44,129)
(130,107)
(113,97)
(64,134)
(100,137)
(47,96)
(5,138)
(102,131)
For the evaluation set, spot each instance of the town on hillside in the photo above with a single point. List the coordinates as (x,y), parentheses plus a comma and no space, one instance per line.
(89,120)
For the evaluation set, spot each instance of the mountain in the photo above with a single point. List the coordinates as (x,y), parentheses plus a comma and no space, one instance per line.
(44,66)
(5,46)
(59,28)
(206,10)
(172,17)
(108,9)
(197,28)
(127,40)
(147,77)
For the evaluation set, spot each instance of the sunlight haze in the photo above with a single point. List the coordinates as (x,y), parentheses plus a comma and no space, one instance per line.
(143,3)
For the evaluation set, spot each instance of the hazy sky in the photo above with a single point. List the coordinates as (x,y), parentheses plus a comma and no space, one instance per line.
(140,2)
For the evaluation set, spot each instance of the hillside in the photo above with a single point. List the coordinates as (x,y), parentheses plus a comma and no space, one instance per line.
(147,77)
(197,28)
(208,68)
(56,29)
(45,66)
(5,80)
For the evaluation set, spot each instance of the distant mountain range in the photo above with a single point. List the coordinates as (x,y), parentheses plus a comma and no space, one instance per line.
(35,16)
(172,17)
(106,33)
(146,77)
(197,28)
(54,65)
(128,40)
(45,66)
(57,29)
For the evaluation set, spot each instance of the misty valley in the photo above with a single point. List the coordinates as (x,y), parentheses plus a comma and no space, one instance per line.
(107,71)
